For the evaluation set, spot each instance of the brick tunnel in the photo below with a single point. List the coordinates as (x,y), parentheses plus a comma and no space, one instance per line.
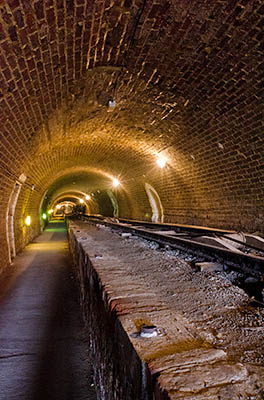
(140,109)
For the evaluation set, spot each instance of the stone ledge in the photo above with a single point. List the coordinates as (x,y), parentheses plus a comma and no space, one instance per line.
(176,364)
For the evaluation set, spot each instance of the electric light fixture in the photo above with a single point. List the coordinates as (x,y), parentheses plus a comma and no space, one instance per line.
(116,182)
(28,220)
(161,162)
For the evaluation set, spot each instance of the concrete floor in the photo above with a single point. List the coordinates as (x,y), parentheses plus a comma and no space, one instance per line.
(43,350)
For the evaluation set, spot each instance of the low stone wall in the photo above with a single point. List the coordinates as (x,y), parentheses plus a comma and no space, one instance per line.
(208,343)
(119,373)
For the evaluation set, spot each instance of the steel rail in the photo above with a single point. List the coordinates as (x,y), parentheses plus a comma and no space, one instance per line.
(179,227)
(191,230)
(250,264)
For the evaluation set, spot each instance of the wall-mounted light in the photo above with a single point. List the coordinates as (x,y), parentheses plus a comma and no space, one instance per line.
(161,162)
(22,178)
(116,182)
(111,105)
(28,220)
(44,216)
(81,201)
(88,197)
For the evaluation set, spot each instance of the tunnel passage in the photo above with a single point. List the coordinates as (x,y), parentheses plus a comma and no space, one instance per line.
(112,87)
(89,193)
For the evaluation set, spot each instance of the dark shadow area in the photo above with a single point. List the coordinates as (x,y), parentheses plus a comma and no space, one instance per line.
(65,372)
(104,204)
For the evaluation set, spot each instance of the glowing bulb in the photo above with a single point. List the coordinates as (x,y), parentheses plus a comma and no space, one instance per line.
(161,162)
(88,197)
(44,216)
(50,211)
(81,201)
(58,206)
(116,182)
(28,221)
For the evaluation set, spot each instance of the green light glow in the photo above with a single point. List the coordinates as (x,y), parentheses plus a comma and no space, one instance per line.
(44,216)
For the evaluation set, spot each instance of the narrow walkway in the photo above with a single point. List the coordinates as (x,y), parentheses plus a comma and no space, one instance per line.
(43,353)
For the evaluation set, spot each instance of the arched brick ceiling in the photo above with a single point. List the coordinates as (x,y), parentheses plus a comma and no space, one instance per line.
(78,185)
(187,79)
(74,198)
(81,180)
(199,51)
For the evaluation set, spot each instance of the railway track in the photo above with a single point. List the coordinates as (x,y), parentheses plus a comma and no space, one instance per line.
(239,251)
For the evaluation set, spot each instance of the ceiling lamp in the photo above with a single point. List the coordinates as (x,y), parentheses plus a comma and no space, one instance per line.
(161,162)
(116,182)
(88,197)
(81,201)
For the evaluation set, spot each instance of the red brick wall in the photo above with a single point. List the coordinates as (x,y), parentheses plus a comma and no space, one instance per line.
(27,205)
(6,185)
(187,79)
